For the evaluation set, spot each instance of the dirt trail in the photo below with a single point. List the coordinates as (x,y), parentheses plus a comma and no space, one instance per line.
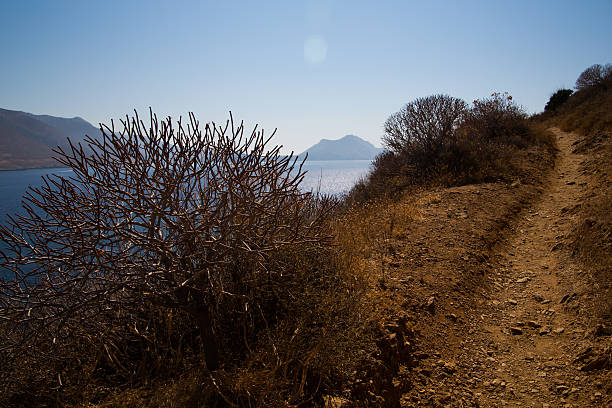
(518,348)
(529,333)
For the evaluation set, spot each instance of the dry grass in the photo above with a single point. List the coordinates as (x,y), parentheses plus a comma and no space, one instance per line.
(327,347)
(364,235)
(588,113)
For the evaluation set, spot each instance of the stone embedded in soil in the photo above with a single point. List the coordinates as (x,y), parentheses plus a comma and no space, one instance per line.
(562,388)
(450,367)
(559,330)
(523,280)
(534,324)
(538,297)
(543,331)
(512,302)
(430,304)
(516,330)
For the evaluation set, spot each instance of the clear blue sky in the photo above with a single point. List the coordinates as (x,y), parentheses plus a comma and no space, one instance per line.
(313,69)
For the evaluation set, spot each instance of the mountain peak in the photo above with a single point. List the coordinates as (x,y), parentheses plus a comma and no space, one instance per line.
(349,147)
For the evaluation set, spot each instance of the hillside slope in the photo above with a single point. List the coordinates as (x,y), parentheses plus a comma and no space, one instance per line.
(527,322)
(26,140)
(529,335)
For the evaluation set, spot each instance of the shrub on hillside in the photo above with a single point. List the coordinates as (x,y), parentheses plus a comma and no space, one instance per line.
(497,118)
(424,124)
(557,99)
(167,242)
(439,140)
(417,138)
(588,111)
(593,76)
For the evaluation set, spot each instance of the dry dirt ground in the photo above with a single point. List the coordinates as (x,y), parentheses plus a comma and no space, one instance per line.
(513,325)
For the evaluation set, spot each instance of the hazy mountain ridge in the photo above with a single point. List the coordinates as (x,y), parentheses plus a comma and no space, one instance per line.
(350,147)
(27,140)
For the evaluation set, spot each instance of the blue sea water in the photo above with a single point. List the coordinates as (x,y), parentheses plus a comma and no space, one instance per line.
(333,176)
(14,183)
(326,177)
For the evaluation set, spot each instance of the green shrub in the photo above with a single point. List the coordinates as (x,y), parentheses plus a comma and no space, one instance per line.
(586,111)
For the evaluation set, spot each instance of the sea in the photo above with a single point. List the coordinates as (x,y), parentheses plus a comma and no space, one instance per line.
(333,177)
(330,177)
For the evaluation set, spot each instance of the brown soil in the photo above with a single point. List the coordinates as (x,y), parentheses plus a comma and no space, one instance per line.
(502,313)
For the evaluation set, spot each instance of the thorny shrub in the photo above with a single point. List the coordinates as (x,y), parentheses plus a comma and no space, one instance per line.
(169,245)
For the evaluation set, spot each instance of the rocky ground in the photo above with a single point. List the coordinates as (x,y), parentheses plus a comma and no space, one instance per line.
(512,326)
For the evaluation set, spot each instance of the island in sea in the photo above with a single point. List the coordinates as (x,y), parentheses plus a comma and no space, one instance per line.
(350,147)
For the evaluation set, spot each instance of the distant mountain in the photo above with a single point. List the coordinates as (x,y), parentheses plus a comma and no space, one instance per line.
(26,140)
(350,147)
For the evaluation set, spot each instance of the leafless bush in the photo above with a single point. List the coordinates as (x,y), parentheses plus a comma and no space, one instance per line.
(593,76)
(424,123)
(156,222)
(440,140)
(497,118)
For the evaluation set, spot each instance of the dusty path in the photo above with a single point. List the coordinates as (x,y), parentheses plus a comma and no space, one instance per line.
(518,349)
(528,337)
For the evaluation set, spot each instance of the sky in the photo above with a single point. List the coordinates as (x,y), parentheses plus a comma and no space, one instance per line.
(312,69)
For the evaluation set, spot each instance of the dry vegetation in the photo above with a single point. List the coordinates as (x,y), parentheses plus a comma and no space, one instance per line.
(261,295)
(592,238)
(174,249)
(439,140)
(588,112)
